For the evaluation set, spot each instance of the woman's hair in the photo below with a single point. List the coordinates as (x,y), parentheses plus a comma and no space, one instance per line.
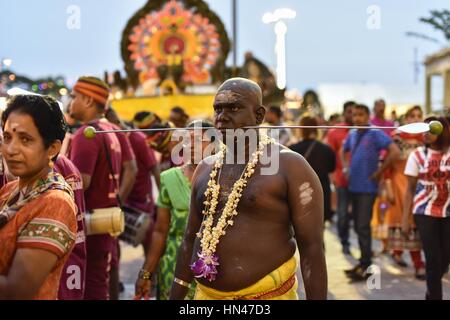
(443,140)
(313,94)
(46,113)
(202,124)
(308,121)
(411,110)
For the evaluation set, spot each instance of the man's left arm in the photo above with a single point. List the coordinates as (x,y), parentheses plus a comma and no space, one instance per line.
(129,167)
(393,153)
(306,204)
(129,170)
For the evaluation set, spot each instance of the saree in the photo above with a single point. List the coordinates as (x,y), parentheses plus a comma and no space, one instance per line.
(43,219)
(175,194)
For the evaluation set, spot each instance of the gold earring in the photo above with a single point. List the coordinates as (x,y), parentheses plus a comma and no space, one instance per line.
(51,164)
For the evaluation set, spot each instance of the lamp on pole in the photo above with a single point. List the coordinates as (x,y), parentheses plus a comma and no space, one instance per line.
(234,14)
(6,64)
(278,17)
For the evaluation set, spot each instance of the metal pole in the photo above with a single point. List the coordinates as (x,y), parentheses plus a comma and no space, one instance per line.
(249,127)
(234,17)
(435,127)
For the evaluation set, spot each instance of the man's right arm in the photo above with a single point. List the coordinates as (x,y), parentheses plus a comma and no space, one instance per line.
(183,271)
(305,198)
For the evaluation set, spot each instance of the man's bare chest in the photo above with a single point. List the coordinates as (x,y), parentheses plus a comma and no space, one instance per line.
(258,190)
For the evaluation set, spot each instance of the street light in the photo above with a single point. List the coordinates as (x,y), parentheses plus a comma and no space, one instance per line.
(6,63)
(280,28)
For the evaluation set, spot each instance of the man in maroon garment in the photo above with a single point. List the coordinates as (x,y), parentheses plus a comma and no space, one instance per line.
(72,284)
(127,180)
(141,196)
(89,97)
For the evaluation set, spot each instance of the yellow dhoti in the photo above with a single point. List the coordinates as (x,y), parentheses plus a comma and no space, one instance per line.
(280,284)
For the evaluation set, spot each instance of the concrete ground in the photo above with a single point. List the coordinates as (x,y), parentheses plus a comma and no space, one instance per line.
(394,283)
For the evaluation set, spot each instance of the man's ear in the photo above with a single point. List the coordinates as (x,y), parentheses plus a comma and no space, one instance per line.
(89,101)
(260,114)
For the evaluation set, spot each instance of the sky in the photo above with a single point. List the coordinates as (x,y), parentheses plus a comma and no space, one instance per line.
(328,42)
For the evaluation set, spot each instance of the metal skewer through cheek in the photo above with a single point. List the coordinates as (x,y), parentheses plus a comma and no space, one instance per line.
(412,128)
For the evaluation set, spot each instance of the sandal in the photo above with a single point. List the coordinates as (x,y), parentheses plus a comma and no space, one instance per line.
(420,274)
(399,260)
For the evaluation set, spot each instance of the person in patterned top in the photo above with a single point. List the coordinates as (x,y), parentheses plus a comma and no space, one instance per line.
(38,222)
(428,193)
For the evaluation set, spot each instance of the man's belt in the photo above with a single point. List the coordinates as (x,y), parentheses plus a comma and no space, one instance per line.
(279,291)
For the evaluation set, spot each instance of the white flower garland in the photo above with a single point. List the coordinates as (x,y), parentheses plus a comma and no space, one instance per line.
(210,235)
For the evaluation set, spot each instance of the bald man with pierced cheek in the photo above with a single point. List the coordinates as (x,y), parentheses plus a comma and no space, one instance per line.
(276,214)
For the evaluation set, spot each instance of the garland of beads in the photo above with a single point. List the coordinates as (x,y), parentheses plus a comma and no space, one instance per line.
(210,235)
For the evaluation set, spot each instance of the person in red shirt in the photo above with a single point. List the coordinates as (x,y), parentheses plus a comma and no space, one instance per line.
(335,139)
(89,97)
(72,283)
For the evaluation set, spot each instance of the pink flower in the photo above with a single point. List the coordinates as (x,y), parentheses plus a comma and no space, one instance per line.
(205,266)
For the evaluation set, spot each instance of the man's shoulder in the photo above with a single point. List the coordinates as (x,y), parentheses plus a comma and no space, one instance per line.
(291,158)
(378,133)
(65,166)
(80,131)
(338,131)
(208,162)
(80,140)
(137,136)
(324,146)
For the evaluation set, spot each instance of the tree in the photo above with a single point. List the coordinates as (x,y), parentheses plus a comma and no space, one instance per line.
(440,20)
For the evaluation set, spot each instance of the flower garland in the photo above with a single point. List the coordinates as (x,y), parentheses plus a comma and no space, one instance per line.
(206,265)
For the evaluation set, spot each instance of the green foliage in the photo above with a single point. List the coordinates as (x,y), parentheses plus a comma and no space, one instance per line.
(47,86)
(440,20)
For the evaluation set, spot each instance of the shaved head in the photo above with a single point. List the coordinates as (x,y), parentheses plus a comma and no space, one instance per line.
(244,88)
(238,103)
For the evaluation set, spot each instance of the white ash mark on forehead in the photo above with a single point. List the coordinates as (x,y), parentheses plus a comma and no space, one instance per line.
(228,96)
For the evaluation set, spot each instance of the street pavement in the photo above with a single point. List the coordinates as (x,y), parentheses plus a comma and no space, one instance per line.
(390,282)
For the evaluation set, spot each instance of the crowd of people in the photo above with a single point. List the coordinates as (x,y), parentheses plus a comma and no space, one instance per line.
(57,184)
